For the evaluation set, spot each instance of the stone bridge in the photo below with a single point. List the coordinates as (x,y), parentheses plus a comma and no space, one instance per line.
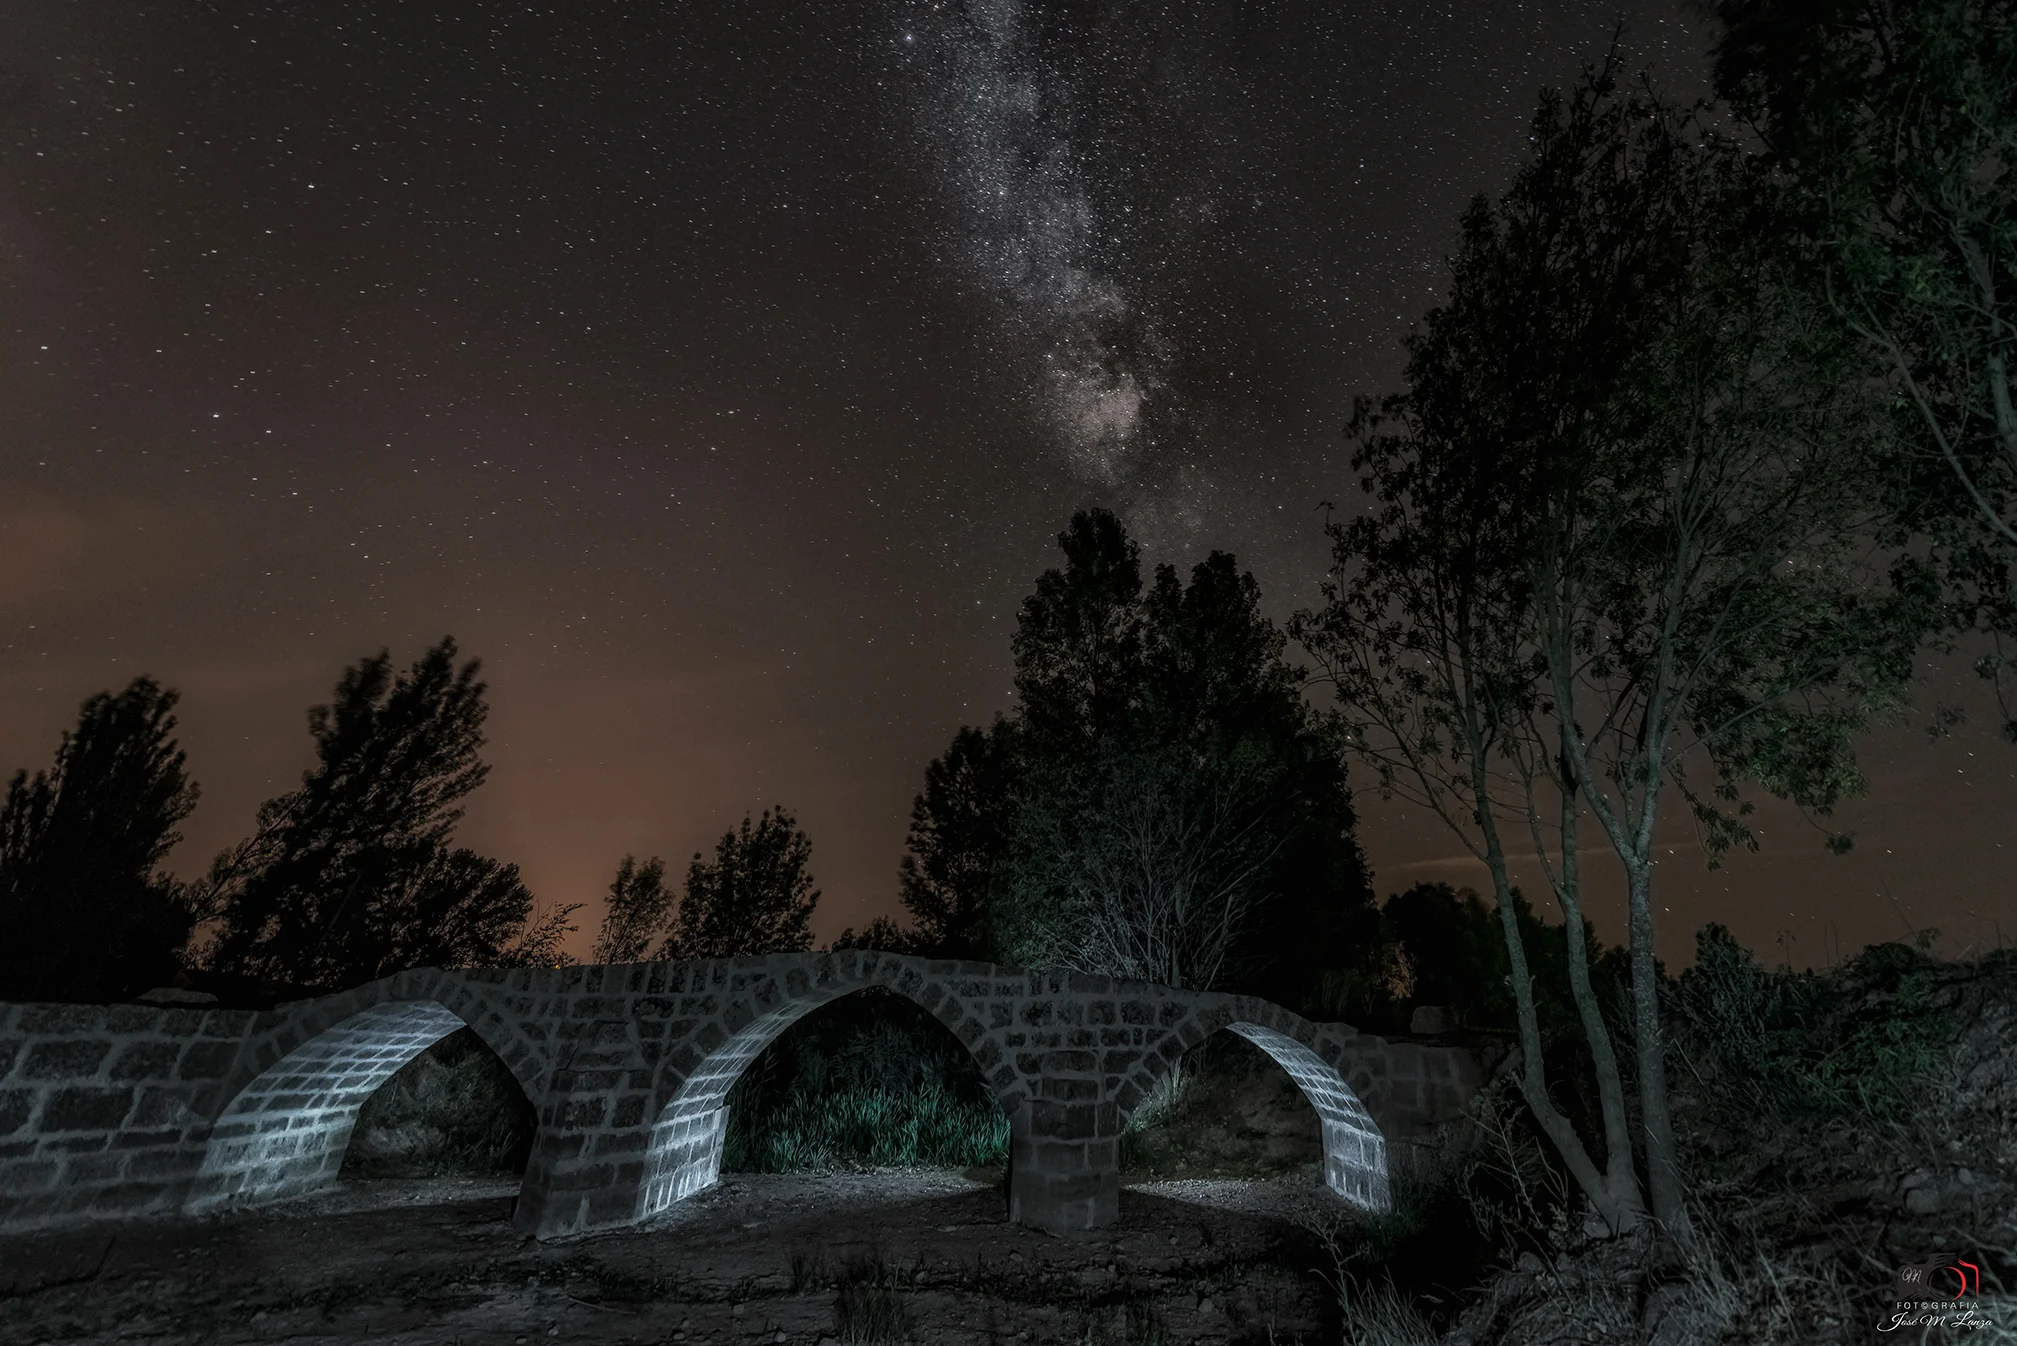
(126,1110)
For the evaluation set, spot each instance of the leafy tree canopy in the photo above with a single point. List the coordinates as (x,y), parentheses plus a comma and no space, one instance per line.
(1894,129)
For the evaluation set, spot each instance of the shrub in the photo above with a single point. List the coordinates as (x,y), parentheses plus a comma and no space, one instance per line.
(1849,1042)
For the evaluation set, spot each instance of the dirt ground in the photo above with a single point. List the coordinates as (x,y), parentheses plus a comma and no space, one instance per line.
(912,1255)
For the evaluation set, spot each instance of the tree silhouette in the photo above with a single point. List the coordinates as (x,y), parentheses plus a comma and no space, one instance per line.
(754,897)
(352,876)
(638,904)
(959,833)
(1162,804)
(84,914)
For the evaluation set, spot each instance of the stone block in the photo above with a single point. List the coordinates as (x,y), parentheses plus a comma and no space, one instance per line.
(59,1020)
(93,1169)
(28,1175)
(146,1061)
(87,1108)
(73,1059)
(84,1142)
(580,1112)
(130,1019)
(16,1106)
(621,1142)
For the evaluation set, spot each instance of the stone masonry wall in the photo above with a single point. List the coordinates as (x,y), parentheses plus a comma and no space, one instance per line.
(136,1110)
(104,1109)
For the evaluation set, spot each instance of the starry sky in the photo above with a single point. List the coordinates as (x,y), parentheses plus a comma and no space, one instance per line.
(721,374)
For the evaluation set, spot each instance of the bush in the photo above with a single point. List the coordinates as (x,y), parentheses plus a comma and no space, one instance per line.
(1850,1042)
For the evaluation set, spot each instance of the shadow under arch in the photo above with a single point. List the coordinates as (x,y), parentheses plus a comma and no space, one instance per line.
(283,1134)
(1355,1151)
(688,1134)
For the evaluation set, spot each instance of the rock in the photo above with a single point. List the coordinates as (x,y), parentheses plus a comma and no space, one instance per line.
(175,995)
(1922,1201)
(1429,1019)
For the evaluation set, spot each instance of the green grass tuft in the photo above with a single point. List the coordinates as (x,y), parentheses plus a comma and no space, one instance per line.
(927,1127)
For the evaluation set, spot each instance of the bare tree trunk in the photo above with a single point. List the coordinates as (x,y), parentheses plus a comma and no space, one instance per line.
(1663,1163)
(1533,1073)
(1621,1179)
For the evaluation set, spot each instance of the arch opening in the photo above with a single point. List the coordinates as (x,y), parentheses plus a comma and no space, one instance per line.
(285,1133)
(1238,1116)
(803,1086)
(454,1110)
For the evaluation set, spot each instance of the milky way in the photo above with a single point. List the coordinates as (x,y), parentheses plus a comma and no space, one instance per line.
(1011,158)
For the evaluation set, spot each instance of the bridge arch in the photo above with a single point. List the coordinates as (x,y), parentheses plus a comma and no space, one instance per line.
(286,1113)
(690,1118)
(1355,1150)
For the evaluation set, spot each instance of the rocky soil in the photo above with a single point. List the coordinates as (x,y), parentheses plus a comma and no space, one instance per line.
(918,1256)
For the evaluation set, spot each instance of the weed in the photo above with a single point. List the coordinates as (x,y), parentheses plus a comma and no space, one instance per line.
(870,1310)
(930,1126)
(1511,1187)
(809,1271)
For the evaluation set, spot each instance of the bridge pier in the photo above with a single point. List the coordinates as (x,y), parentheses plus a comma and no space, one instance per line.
(1064,1165)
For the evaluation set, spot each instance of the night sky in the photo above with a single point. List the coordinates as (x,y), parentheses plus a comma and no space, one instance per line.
(721,374)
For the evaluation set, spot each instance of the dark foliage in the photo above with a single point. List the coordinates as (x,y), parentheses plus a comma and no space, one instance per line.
(754,897)
(639,903)
(1773,1046)
(1159,732)
(959,834)
(353,876)
(85,913)
(1893,128)
(871,1079)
